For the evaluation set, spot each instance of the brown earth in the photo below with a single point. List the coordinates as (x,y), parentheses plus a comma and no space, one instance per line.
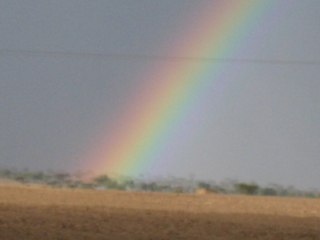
(44,213)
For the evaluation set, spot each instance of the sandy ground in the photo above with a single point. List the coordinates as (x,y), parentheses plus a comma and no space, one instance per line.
(38,212)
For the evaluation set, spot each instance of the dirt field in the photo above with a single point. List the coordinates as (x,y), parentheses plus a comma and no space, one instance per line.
(45,213)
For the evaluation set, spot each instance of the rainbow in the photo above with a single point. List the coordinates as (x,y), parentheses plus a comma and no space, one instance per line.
(165,109)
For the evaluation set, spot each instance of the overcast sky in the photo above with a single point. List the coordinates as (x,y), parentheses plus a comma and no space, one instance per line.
(265,128)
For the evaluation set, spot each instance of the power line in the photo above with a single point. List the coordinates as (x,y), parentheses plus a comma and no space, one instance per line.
(148,57)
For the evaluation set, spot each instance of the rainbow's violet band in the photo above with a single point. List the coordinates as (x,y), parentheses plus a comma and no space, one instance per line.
(164,104)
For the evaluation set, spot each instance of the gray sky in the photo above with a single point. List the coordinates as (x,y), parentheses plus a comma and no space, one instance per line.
(265,127)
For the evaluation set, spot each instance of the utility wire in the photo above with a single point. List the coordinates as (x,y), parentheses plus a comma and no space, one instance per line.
(148,57)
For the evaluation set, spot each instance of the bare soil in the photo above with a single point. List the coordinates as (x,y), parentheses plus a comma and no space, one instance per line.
(38,212)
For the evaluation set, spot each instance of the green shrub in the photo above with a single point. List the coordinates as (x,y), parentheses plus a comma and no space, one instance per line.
(268,191)
(249,189)
(204,185)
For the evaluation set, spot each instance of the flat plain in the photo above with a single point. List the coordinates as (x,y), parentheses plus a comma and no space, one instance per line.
(39,212)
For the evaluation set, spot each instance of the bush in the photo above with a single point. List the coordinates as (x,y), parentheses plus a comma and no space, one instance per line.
(6,173)
(149,186)
(178,190)
(20,178)
(269,192)
(249,189)
(37,176)
(87,185)
(53,183)
(204,185)
(129,184)
(113,184)
(102,180)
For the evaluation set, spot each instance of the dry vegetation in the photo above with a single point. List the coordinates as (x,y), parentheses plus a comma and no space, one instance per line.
(38,212)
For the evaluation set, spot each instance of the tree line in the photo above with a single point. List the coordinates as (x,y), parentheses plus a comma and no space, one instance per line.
(60,179)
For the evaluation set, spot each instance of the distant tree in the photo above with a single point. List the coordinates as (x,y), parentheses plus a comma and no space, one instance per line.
(129,184)
(249,189)
(220,189)
(268,191)
(37,176)
(113,184)
(102,180)
(228,185)
(20,178)
(204,185)
(149,186)
(144,186)
(61,176)
(153,186)
(310,195)
(5,173)
(164,188)
(74,184)
(53,183)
